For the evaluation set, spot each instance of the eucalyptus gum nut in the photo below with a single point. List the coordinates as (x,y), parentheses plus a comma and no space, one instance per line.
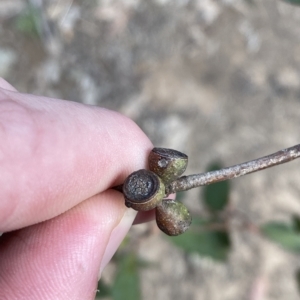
(172,217)
(143,190)
(169,164)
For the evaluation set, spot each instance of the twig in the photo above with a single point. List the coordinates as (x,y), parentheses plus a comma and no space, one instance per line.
(185,183)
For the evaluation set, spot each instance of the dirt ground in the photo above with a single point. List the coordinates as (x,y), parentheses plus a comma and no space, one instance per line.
(214,79)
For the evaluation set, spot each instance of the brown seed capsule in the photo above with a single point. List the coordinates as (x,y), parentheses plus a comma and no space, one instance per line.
(143,190)
(167,163)
(172,217)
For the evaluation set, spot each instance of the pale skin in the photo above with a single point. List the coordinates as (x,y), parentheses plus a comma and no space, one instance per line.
(61,221)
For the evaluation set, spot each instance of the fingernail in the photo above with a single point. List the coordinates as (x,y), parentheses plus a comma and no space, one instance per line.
(116,237)
(6,86)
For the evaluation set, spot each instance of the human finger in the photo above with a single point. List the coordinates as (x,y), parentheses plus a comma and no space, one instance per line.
(55,153)
(61,258)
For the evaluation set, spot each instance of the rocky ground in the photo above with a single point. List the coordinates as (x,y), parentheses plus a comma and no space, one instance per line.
(215,79)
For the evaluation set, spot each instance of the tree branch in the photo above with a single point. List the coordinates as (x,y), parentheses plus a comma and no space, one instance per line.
(191,181)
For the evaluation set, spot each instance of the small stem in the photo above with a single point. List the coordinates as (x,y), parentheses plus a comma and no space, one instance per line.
(185,183)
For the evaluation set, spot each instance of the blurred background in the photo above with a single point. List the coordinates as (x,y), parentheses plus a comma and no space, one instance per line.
(216,79)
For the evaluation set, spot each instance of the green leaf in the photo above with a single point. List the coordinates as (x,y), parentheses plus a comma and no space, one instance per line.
(295,2)
(297,275)
(103,290)
(282,234)
(28,20)
(296,223)
(198,239)
(180,196)
(216,196)
(127,285)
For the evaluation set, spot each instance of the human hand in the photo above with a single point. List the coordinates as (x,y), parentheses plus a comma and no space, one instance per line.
(63,224)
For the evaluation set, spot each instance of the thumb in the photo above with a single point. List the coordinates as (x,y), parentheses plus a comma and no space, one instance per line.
(61,258)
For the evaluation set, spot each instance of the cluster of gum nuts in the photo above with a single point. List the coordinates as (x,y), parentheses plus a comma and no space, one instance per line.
(145,190)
